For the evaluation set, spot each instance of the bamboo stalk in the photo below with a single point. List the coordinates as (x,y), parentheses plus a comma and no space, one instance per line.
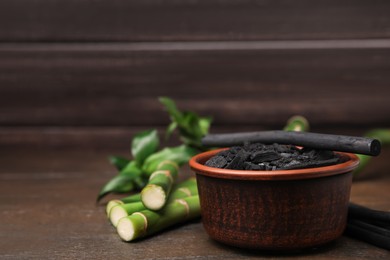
(147,222)
(123,210)
(297,123)
(155,194)
(383,135)
(184,189)
(128,199)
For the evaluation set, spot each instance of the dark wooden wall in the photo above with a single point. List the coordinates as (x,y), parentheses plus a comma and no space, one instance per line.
(94,67)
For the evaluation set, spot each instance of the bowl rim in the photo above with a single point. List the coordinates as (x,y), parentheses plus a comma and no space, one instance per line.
(295,174)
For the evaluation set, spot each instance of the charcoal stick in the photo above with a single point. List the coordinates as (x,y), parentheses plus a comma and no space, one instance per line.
(367,235)
(359,212)
(341,143)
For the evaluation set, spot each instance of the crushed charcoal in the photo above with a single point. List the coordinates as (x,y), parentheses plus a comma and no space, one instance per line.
(253,166)
(217,162)
(238,162)
(258,156)
(264,156)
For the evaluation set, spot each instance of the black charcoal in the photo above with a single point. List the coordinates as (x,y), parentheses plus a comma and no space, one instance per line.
(217,162)
(265,156)
(258,156)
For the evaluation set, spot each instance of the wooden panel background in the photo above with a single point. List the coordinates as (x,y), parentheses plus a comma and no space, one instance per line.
(77,65)
(188,20)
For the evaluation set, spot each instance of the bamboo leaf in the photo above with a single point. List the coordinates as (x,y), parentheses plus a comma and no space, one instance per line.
(131,169)
(383,135)
(204,125)
(144,144)
(118,161)
(191,126)
(172,126)
(124,181)
(119,184)
(180,154)
(170,106)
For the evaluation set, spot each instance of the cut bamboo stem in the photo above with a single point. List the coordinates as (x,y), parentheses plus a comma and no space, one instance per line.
(297,123)
(128,199)
(147,222)
(156,192)
(184,189)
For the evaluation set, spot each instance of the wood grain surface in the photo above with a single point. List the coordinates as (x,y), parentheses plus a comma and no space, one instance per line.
(333,83)
(48,211)
(191,20)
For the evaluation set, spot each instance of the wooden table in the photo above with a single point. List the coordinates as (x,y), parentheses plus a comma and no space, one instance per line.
(48,210)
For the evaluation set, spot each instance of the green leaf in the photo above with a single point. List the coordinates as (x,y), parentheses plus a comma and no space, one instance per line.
(172,126)
(180,154)
(204,125)
(382,134)
(191,126)
(144,144)
(119,184)
(118,161)
(124,181)
(170,106)
(131,169)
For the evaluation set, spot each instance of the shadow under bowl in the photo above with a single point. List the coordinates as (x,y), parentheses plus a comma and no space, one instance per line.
(274,210)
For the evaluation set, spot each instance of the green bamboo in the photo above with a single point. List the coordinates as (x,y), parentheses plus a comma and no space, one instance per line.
(147,222)
(383,135)
(123,210)
(155,194)
(184,189)
(297,123)
(129,199)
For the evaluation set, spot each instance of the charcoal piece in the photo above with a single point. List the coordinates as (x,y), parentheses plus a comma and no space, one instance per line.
(309,153)
(217,162)
(254,147)
(311,164)
(325,154)
(253,166)
(282,148)
(235,149)
(294,164)
(266,156)
(227,155)
(224,153)
(247,166)
(286,155)
(238,161)
(319,163)
(256,156)
(281,162)
(268,167)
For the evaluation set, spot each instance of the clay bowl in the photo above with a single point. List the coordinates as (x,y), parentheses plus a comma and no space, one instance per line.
(274,210)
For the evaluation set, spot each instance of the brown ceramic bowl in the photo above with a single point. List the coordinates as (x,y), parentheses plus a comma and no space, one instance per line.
(274,210)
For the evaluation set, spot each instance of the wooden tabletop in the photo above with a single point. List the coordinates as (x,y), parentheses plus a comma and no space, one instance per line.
(48,210)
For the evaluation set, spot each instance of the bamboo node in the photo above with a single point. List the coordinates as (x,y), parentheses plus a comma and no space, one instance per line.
(185,191)
(186,206)
(164,172)
(168,162)
(145,221)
